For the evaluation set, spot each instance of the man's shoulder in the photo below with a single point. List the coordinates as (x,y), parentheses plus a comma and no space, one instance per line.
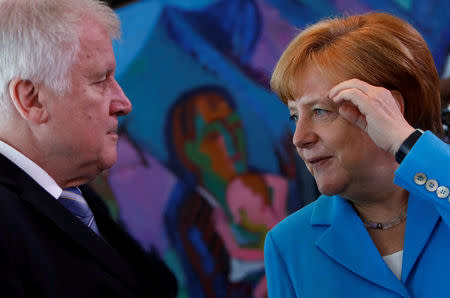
(12,177)
(9,194)
(12,212)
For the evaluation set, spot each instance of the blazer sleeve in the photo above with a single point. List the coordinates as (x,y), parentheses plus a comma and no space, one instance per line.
(425,172)
(278,280)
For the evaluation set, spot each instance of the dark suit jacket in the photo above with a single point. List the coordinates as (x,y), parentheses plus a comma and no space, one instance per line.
(46,252)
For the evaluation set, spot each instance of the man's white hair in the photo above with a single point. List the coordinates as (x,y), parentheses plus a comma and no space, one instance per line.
(39,40)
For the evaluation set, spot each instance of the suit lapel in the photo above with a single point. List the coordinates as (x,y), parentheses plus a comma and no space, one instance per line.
(32,193)
(347,242)
(420,223)
(84,237)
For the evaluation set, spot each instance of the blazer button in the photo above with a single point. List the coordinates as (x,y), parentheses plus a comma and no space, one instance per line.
(420,178)
(431,185)
(442,192)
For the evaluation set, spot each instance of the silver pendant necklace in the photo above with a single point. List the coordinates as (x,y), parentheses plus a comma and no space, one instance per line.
(384,226)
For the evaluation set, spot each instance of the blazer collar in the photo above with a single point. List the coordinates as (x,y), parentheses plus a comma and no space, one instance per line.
(347,242)
(28,190)
(421,220)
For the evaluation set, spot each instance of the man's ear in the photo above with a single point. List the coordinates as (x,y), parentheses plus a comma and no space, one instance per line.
(25,96)
(399,99)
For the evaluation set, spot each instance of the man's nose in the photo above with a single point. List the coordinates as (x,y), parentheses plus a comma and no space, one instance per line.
(120,104)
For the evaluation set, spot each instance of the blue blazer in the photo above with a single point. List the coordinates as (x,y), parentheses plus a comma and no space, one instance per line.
(324,250)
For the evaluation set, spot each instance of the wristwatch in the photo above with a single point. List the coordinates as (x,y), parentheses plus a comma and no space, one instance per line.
(407,145)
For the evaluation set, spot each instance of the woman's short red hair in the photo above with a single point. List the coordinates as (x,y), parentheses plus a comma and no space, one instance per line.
(378,48)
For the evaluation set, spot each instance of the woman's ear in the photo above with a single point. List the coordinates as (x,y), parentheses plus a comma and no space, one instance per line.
(25,97)
(399,99)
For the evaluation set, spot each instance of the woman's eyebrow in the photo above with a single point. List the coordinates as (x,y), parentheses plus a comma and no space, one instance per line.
(310,100)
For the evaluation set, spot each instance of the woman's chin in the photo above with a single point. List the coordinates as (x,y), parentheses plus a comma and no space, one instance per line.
(330,189)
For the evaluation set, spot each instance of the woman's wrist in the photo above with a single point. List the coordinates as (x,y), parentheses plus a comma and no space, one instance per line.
(399,137)
(407,145)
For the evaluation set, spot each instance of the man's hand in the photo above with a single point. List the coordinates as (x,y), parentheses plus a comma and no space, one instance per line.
(376,110)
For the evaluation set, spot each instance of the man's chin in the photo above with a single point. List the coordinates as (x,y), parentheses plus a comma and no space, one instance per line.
(107,162)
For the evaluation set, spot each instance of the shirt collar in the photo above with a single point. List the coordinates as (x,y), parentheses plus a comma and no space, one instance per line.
(32,169)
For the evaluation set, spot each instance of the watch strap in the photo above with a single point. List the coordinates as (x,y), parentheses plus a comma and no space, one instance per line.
(407,145)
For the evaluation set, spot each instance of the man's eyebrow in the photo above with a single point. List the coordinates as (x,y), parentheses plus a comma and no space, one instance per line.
(109,70)
(101,74)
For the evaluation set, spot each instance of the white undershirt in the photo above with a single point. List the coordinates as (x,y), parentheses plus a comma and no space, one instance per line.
(394,262)
(32,169)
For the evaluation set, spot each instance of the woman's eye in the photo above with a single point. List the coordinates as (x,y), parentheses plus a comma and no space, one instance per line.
(293,118)
(320,112)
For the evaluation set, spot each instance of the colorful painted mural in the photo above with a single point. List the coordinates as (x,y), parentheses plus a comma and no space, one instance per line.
(206,166)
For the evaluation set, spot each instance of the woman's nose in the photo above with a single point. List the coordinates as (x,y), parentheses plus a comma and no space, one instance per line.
(304,134)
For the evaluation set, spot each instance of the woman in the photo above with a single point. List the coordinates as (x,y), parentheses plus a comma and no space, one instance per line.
(357,88)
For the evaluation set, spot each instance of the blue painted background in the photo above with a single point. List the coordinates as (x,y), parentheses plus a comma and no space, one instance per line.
(169,47)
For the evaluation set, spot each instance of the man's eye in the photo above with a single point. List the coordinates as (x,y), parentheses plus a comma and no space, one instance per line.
(101,83)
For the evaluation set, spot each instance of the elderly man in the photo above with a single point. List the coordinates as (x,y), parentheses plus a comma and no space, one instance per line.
(60,106)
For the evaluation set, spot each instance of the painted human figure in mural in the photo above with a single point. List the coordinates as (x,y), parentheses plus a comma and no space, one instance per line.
(207,139)
(257,203)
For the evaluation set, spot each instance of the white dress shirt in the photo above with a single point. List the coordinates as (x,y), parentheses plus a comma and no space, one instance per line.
(32,169)
(394,262)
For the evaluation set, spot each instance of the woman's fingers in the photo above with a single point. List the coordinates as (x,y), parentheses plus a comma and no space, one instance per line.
(352,114)
(353,96)
(350,84)
(374,109)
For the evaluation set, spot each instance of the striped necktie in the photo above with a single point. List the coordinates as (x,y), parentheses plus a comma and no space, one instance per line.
(73,200)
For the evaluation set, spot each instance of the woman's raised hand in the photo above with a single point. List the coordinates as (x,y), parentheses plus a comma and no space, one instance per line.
(376,110)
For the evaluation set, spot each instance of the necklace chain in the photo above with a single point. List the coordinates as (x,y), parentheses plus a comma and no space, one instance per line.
(384,226)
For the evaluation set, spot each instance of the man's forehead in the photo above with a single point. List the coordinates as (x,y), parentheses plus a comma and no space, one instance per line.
(96,51)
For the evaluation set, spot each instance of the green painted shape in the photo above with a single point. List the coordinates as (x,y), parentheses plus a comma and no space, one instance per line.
(406,4)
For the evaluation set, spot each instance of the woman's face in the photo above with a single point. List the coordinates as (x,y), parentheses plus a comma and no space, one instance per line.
(341,156)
